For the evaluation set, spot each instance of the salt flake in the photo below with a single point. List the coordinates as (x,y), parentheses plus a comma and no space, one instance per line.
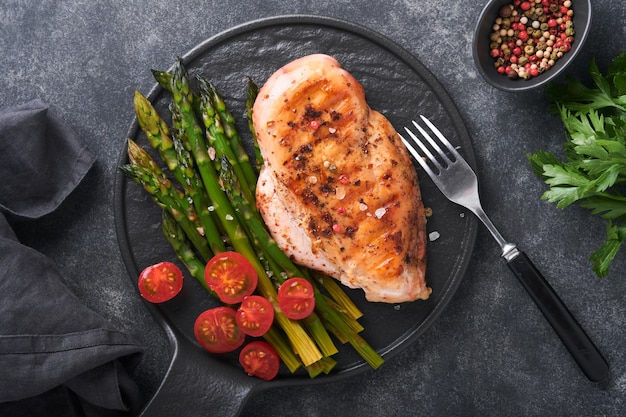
(433,236)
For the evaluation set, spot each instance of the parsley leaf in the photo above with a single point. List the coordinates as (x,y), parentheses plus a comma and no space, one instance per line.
(593,173)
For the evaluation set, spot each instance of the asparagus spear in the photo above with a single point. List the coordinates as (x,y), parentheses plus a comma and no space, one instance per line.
(216,137)
(252,92)
(173,201)
(338,295)
(181,92)
(174,234)
(158,135)
(228,121)
(194,188)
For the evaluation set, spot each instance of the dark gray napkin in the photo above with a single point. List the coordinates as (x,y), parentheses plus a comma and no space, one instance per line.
(41,160)
(57,357)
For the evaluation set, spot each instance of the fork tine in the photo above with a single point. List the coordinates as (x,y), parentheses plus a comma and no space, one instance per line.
(441,137)
(433,143)
(417,156)
(411,148)
(424,149)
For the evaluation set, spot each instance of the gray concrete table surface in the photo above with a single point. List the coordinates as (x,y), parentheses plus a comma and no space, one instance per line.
(490,353)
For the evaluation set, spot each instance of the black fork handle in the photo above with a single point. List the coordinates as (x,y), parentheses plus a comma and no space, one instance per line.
(580,346)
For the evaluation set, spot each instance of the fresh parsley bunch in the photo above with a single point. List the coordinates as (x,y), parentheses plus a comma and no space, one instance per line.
(594,171)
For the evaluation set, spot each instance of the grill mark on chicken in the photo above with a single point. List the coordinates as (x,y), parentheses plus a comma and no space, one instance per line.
(338,190)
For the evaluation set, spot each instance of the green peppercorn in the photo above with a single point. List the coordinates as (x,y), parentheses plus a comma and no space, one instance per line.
(544,27)
(529,49)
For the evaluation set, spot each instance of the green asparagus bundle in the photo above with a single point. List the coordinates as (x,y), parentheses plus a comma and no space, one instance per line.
(209,207)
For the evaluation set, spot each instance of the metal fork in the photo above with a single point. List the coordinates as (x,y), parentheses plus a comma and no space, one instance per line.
(458,182)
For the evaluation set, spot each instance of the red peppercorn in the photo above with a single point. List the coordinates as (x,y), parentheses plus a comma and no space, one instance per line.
(552,23)
(525,6)
(341,210)
(315,124)
(336,228)
(564,10)
(523,35)
(517,51)
(534,72)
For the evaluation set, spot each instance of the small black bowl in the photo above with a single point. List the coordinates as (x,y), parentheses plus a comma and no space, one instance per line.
(485,63)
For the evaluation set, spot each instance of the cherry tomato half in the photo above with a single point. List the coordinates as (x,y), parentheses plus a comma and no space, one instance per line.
(259,359)
(296,298)
(231,276)
(216,330)
(160,282)
(255,315)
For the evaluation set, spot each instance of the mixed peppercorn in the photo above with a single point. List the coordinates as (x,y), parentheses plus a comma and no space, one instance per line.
(529,36)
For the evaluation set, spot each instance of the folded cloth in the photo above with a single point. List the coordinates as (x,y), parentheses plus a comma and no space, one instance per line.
(41,160)
(57,357)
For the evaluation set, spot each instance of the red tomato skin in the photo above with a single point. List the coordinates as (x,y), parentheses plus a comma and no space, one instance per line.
(255,315)
(296,298)
(216,330)
(160,282)
(231,276)
(259,359)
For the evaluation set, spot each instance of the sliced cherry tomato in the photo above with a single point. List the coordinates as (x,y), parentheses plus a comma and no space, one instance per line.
(231,276)
(160,282)
(296,298)
(216,330)
(255,315)
(259,359)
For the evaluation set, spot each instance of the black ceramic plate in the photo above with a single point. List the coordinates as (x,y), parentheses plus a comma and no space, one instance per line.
(398,86)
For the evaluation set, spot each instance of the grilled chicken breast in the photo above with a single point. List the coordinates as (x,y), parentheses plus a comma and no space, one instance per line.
(337,189)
